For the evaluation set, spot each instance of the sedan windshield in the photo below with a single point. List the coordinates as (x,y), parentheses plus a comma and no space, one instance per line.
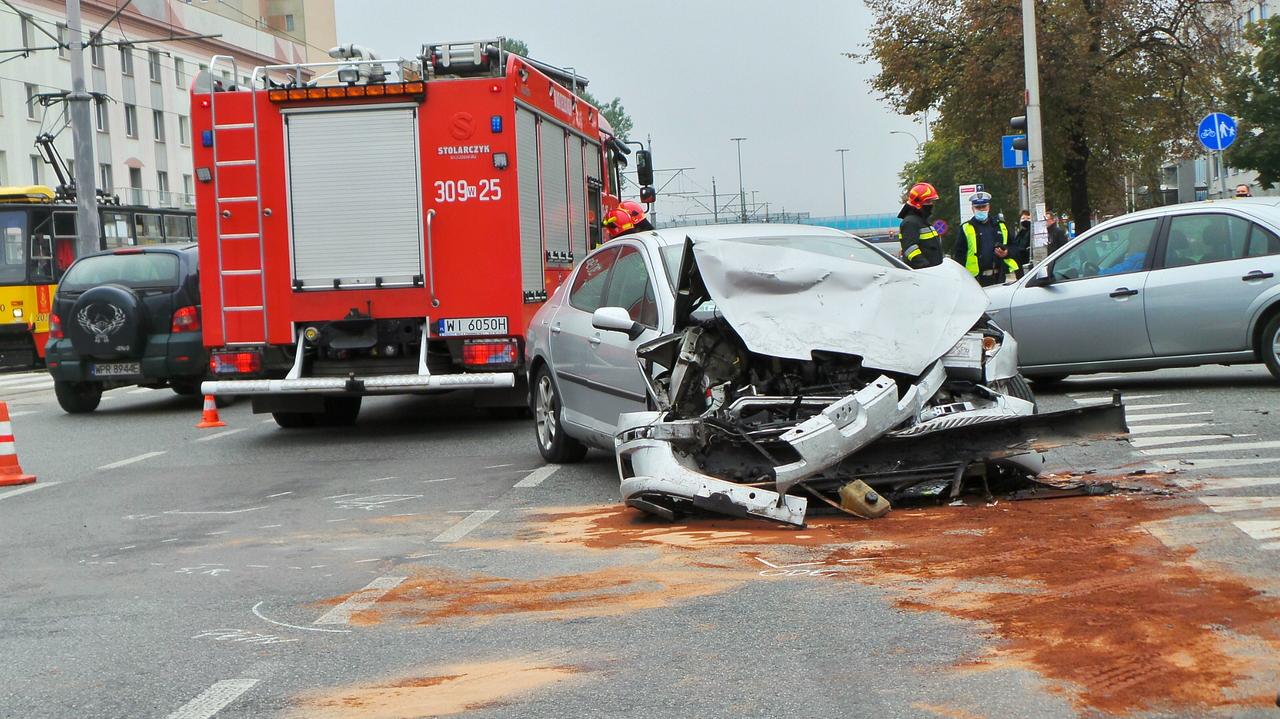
(849,248)
(13,256)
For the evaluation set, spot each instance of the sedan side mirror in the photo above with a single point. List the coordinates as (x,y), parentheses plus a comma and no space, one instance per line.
(1042,278)
(616,319)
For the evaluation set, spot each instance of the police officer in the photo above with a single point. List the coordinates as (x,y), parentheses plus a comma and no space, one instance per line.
(921,246)
(983,244)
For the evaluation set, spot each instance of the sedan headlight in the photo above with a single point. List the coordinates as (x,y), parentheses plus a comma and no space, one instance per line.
(966,354)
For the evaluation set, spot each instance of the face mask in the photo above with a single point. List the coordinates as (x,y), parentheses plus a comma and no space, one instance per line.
(1026,224)
(980,216)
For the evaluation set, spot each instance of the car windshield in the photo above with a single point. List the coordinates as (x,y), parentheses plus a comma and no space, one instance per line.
(136,270)
(850,248)
(13,256)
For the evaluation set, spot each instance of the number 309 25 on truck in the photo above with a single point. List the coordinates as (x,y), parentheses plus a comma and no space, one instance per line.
(389,227)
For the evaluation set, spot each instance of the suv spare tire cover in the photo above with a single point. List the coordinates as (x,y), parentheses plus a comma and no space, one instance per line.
(107,321)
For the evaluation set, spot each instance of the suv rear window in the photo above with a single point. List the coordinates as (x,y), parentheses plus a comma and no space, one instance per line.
(136,270)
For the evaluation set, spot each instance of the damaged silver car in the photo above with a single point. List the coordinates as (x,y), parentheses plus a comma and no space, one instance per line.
(779,364)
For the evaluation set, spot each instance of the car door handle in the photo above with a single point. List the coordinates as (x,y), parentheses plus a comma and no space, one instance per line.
(555,328)
(1258,275)
(1124,292)
(595,341)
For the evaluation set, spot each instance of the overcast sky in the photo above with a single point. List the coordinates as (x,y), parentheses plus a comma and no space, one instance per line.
(694,74)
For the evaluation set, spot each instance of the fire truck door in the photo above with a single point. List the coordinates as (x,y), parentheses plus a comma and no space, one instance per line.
(573,341)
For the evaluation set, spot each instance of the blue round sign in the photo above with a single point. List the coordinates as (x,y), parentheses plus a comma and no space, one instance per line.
(1217,131)
(940,227)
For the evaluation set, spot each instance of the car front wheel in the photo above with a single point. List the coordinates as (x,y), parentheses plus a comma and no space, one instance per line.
(78,397)
(554,445)
(1270,346)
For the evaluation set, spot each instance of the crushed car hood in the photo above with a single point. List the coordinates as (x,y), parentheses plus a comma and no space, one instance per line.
(786,302)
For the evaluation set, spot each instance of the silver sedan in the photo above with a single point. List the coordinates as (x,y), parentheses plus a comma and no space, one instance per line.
(1173,286)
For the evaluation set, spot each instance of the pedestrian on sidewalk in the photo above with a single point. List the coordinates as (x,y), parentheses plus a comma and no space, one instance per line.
(1057,235)
(1020,247)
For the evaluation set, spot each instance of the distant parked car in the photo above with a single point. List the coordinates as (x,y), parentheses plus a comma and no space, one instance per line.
(1173,286)
(126,317)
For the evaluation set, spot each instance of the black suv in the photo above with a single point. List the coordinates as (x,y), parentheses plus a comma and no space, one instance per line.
(126,317)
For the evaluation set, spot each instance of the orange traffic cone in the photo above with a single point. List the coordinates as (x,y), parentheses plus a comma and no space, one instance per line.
(210,416)
(10,471)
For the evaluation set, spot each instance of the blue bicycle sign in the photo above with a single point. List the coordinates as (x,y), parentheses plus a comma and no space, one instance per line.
(1217,131)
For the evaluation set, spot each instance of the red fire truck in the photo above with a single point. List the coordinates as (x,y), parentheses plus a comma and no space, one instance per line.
(374,227)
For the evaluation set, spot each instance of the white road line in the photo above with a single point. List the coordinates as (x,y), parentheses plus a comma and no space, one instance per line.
(214,699)
(340,496)
(445,479)
(223,433)
(1177,439)
(1153,428)
(227,511)
(1223,447)
(497,466)
(1260,528)
(1271,545)
(142,390)
(366,561)
(1240,504)
(24,413)
(24,377)
(1220,463)
(270,526)
(259,615)
(1162,415)
(1226,482)
(27,488)
(1093,396)
(34,385)
(465,527)
(131,460)
(381,479)
(1142,407)
(538,475)
(278,494)
(171,539)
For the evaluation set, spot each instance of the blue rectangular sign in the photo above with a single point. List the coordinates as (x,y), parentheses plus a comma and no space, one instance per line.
(1013,159)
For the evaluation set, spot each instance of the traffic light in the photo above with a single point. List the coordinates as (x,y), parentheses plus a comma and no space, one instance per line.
(1019,125)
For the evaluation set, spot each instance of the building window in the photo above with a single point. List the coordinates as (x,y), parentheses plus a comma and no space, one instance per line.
(64,39)
(188,190)
(153,64)
(178,73)
(104,178)
(131,120)
(1,99)
(1249,16)
(37,170)
(1262,10)
(157,118)
(27,31)
(135,187)
(162,184)
(184,129)
(100,115)
(95,55)
(32,90)
(289,23)
(4,169)
(126,60)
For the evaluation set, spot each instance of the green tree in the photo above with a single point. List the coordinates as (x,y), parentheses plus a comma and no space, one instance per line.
(1253,95)
(1121,81)
(612,110)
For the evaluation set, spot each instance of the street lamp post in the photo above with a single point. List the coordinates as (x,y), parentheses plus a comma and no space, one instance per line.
(844,192)
(908,134)
(742,195)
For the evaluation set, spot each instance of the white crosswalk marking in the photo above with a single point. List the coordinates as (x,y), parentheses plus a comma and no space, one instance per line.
(1224,446)
(1162,415)
(1154,428)
(214,699)
(1086,398)
(1240,504)
(9,379)
(1222,463)
(1176,439)
(1144,407)
(1259,528)
(1219,483)
(360,601)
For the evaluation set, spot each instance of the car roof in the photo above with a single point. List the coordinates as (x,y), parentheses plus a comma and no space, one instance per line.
(185,248)
(676,235)
(1268,207)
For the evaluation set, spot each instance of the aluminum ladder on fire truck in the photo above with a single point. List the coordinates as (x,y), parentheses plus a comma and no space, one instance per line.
(237,187)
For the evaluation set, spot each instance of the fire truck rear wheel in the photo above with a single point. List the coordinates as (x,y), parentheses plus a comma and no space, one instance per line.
(340,411)
(294,420)
(78,397)
(554,445)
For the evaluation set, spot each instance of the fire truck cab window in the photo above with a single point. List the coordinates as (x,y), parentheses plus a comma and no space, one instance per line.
(148,229)
(587,291)
(115,230)
(13,265)
(631,289)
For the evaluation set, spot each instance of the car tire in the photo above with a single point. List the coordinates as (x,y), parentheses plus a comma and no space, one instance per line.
(294,420)
(185,388)
(507,413)
(1016,386)
(1269,346)
(553,444)
(78,397)
(340,411)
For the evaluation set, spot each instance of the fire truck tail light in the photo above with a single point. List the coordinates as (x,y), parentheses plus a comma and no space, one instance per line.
(186,319)
(55,327)
(487,353)
(235,363)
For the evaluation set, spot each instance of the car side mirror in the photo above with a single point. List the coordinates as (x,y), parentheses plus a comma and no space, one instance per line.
(1042,278)
(616,319)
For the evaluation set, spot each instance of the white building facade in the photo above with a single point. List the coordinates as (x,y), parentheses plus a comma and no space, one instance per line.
(143,133)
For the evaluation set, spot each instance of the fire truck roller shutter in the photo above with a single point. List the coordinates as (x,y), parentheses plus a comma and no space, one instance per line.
(531,257)
(577,201)
(555,189)
(355,197)
(591,161)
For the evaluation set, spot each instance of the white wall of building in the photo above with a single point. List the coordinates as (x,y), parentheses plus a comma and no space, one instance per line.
(145,149)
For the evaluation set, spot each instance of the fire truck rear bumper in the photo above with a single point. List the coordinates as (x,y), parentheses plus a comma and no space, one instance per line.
(384,384)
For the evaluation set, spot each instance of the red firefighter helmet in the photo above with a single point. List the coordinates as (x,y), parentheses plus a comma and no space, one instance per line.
(624,218)
(921,194)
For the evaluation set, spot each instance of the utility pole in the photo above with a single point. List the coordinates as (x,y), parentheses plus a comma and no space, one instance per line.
(742,194)
(715,202)
(87,226)
(1035,145)
(844,192)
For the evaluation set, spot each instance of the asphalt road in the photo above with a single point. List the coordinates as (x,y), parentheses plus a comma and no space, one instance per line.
(425,563)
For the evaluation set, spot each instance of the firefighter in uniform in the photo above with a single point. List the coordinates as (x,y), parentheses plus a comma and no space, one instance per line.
(627,217)
(982,246)
(921,246)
